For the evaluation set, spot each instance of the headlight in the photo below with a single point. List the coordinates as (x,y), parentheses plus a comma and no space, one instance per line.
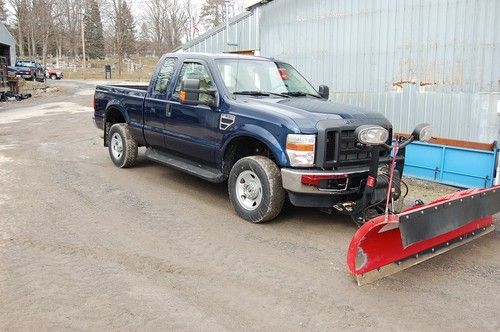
(423,132)
(300,149)
(371,135)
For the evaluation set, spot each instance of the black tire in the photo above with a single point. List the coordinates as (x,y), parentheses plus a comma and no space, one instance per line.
(273,194)
(128,155)
(53,77)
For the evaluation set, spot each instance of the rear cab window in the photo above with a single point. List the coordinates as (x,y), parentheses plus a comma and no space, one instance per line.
(164,77)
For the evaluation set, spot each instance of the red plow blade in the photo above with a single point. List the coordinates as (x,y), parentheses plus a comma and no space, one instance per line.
(386,245)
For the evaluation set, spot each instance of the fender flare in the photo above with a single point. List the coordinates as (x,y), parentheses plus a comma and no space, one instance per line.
(113,104)
(260,134)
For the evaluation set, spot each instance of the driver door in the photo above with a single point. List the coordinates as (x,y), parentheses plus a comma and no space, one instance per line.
(190,127)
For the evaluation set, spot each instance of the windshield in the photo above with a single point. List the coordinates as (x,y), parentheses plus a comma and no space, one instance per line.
(261,77)
(25,64)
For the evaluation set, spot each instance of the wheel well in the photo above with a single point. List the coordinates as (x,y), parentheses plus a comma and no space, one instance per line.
(113,116)
(241,147)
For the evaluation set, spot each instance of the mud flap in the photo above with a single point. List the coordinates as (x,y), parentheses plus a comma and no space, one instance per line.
(386,245)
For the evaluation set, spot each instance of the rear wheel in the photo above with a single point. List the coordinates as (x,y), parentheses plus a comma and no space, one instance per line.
(255,189)
(53,77)
(122,145)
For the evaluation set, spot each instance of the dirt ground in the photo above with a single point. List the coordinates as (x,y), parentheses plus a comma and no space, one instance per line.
(87,246)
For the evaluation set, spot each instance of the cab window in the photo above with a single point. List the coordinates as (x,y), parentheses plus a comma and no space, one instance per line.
(197,71)
(164,77)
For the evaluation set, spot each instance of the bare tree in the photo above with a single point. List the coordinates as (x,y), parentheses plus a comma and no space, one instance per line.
(124,34)
(158,23)
(19,12)
(69,17)
(44,24)
(3,11)
(192,25)
(45,27)
(167,21)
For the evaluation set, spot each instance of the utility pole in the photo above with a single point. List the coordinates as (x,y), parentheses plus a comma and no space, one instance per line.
(83,48)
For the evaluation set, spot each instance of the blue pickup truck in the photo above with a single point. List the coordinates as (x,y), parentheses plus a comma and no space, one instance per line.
(259,125)
(28,69)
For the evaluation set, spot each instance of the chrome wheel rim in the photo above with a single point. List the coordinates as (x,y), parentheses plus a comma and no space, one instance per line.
(249,190)
(116,146)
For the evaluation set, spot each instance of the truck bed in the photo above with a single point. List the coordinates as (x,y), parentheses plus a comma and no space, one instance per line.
(118,88)
(127,95)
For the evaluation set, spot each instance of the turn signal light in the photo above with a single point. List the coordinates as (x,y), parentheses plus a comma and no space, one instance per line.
(300,149)
(182,96)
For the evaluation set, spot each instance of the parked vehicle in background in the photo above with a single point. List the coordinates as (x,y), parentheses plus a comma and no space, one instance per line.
(54,73)
(30,70)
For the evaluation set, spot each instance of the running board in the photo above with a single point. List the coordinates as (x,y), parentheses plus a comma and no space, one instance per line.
(186,165)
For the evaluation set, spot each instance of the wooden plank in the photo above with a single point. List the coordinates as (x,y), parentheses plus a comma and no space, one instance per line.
(243,52)
(455,142)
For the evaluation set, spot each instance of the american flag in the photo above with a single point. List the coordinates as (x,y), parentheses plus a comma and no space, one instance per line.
(196,30)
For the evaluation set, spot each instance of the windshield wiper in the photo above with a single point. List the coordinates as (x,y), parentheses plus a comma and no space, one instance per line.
(260,93)
(300,94)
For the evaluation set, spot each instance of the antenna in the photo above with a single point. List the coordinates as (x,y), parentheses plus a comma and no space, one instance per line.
(228,43)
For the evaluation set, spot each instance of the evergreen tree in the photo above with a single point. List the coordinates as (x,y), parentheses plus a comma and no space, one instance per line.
(94,37)
(213,13)
(126,25)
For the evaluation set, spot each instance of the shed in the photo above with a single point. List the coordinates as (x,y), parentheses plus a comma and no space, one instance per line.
(7,45)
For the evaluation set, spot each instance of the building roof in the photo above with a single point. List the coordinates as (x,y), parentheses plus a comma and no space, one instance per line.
(222,26)
(198,55)
(5,36)
(258,4)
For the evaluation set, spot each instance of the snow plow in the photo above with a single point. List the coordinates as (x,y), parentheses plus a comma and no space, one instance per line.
(389,241)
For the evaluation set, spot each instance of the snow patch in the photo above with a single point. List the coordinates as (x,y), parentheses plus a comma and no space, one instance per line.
(34,111)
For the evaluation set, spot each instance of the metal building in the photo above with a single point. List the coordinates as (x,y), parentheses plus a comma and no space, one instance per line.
(435,61)
(7,45)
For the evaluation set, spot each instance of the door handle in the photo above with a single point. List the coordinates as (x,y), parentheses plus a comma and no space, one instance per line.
(168,110)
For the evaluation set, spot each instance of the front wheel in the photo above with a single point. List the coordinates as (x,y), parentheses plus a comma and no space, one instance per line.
(122,145)
(255,189)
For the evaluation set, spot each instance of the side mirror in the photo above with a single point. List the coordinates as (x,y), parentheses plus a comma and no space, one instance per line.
(190,94)
(189,91)
(422,132)
(324,91)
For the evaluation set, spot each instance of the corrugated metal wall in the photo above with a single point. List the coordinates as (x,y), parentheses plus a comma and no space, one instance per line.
(242,31)
(435,61)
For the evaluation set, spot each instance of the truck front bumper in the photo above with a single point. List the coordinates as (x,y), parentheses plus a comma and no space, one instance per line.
(321,182)
(318,188)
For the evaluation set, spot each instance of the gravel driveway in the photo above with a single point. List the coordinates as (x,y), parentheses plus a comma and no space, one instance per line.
(87,246)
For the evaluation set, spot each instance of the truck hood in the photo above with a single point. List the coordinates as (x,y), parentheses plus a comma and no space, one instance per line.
(306,112)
